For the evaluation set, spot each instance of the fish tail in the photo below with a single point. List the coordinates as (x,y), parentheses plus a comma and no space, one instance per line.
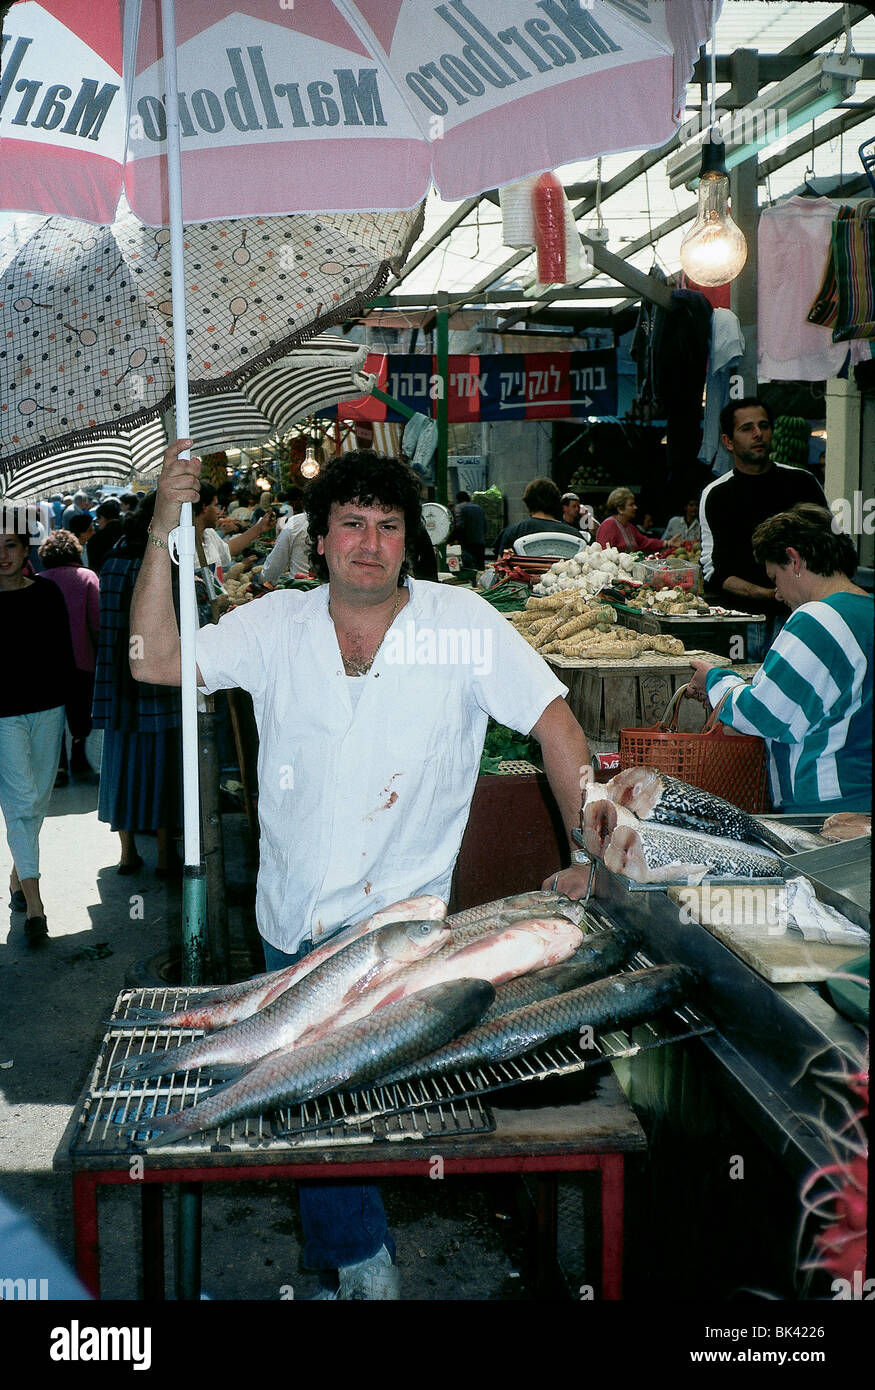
(136,1016)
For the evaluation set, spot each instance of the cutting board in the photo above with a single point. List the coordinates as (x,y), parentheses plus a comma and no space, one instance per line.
(783,960)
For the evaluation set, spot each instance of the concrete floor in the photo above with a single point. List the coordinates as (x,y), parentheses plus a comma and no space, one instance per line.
(53,1001)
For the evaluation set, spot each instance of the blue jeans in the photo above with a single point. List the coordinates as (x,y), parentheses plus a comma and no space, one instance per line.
(344,1222)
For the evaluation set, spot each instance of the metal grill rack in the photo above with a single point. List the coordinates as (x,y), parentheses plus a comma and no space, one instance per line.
(424,1109)
(108,1122)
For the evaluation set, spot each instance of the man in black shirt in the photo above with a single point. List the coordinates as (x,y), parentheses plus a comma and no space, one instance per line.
(734,505)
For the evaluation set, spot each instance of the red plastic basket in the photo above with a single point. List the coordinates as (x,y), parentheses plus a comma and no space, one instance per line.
(717,759)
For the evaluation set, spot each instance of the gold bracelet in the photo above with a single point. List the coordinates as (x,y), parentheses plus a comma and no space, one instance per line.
(156,540)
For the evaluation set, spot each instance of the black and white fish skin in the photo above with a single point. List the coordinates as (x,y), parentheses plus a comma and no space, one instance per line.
(621,1001)
(654,796)
(648,853)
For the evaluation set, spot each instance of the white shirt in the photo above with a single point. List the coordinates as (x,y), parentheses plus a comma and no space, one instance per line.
(217,553)
(291,550)
(362,806)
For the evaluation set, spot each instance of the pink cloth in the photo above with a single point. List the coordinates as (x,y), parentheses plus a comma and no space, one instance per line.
(81,590)
(612,533)
(792,247)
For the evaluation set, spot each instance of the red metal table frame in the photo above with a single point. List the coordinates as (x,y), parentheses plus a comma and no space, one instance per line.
(592,1137)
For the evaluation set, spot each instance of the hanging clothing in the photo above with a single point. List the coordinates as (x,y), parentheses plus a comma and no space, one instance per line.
(682,338)
(642,352)
(727,346)
(793,246)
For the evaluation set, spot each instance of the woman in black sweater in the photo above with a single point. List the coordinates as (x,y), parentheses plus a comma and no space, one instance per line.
(34,624)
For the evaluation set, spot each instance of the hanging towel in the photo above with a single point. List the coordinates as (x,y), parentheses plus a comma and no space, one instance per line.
(727,346)
(792,248)
(853,255)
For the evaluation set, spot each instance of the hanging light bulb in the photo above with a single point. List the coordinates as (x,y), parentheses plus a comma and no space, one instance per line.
(310,466)
(714,249)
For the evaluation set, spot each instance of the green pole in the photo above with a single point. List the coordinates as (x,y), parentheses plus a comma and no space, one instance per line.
(194,916)
(442,340)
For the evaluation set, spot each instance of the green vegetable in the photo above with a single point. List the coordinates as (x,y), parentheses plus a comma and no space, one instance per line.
(506,745)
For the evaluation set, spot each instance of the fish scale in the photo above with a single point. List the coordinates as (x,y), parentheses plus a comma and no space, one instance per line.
(600,954)
(348,1056)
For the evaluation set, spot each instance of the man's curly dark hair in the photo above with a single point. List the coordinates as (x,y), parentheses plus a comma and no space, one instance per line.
(372,481)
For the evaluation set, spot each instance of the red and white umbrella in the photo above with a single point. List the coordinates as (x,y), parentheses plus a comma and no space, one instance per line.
(328,105)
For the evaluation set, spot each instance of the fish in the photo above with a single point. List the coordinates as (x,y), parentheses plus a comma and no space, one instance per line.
(497,957)
(537,902)
(351,1055)
(230,1003)
(601,954)
(373,958)
(795,837)
(847,825)
(668,854)
(618,1002)
(653,795)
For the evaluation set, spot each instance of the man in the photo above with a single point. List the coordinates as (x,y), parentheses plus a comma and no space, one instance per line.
(470,531)
(78,507)
(544,503)
(109,529)
(129,503)
(82,527)
(571,509)
(371,755)
(291,552)
(683,529)
(734,505)
(219,551)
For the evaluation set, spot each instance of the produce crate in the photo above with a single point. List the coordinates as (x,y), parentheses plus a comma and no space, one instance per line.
(713,632)
(607,696)
(668,574)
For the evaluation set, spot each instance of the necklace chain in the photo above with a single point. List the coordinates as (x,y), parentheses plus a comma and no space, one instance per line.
(352,665)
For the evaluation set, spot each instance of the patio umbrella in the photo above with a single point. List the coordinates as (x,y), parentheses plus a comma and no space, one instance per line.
(310,107)
(318,374)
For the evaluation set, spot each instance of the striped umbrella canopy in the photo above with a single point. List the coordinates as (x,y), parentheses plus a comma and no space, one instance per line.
(319,373)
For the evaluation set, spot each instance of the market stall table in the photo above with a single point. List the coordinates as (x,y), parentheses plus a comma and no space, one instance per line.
(591,1136)
(607,695)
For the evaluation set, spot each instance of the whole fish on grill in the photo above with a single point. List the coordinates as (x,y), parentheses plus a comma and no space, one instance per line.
(654,796)
(347,1056)
(228,1004)
(601,954)
(376,957)
(538,902)
(497,957)
(664,854)
(618,1002)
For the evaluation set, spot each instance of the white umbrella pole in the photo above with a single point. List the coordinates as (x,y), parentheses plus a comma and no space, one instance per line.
(193,884)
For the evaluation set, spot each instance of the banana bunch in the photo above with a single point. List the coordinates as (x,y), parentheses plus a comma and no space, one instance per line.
(790,440)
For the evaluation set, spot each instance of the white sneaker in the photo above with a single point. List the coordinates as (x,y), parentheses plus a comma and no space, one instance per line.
(371,1279)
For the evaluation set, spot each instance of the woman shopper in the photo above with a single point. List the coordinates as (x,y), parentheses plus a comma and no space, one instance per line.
(811,699)
(61,556)
(140,770)
(617,528)
(36,637)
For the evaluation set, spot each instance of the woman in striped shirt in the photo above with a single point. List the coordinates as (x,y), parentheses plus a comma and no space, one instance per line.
(811,700)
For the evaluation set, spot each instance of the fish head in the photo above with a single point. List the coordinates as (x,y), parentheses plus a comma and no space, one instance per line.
(411,941)
(637,788)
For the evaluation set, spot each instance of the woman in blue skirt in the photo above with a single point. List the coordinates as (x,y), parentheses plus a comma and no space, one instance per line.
(141,765)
